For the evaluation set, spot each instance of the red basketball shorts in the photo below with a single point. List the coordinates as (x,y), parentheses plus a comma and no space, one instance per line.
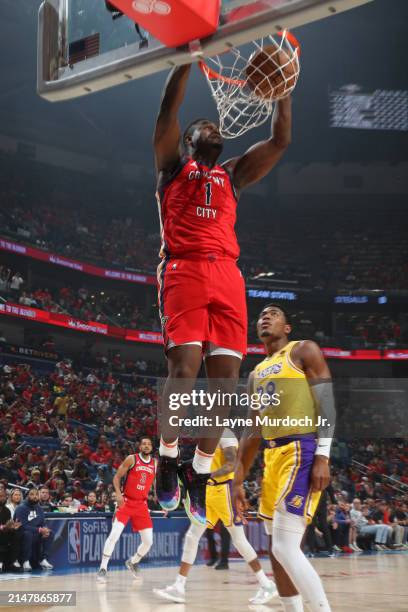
(203,300)
(137,512)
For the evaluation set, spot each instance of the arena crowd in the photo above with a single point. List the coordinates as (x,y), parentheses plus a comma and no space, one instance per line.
(65,432)
(339,252)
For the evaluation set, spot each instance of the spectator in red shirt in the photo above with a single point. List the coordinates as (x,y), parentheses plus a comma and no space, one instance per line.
(107,451)
(84,449)
(27,394)
(117,460)
(33,428)
(35,455)
(18,428)
(23,472)
(45,429)
(52,483)
(77,491)
(98,457)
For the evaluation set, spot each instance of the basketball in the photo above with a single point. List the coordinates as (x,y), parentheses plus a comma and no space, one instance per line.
(272,73)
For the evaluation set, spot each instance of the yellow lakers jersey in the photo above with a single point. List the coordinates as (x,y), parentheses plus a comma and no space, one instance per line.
(292,409)
(219,458)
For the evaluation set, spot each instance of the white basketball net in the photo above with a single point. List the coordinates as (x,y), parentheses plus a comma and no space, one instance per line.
(239,107)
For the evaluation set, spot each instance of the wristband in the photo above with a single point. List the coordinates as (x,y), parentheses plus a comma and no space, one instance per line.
(323,447)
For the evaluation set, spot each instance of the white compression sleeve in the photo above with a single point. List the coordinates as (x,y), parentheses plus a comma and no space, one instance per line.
(241,543)
(288,530)
(146,541)
(112,538)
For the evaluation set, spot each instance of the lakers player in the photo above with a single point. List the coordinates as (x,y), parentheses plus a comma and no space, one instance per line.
(298,429)
(219,507)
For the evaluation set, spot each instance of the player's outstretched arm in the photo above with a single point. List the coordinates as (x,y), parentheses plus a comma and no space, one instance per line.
(167,133)
(259,160)
(121,473)
(311,359)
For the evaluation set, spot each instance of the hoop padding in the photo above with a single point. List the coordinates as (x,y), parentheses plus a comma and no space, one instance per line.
(231,77)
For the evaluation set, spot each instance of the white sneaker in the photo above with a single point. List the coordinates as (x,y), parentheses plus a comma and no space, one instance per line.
(171,593)
(46,565)
(356,548)
(16,565)
(27,567)
(264,594)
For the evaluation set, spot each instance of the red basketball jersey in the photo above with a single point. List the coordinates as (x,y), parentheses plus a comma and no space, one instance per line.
(197,208)
(139,479)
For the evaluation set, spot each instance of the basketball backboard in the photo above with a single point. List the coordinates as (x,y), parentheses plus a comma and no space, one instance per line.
(84,48)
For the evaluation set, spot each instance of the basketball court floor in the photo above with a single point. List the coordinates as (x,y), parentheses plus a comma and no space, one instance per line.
(369,583)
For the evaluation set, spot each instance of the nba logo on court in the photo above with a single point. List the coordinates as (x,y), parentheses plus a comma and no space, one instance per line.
(74,542)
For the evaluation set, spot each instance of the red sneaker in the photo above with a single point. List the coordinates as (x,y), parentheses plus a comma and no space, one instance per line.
(347,549)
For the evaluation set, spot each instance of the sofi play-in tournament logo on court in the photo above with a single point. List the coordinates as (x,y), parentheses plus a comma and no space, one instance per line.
(74,542)
(151,6)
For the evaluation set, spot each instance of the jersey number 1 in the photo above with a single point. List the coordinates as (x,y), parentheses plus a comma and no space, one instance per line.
(208,194)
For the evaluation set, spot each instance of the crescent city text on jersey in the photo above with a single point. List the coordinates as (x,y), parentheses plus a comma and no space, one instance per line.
(201,211)
(197,207)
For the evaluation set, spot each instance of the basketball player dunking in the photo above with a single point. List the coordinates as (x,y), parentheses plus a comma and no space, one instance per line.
(201,289)
(297,456)
(218,507)
(139,472)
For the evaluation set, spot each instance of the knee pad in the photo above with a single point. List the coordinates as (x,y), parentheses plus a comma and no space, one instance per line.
(241,543)
(191,541)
